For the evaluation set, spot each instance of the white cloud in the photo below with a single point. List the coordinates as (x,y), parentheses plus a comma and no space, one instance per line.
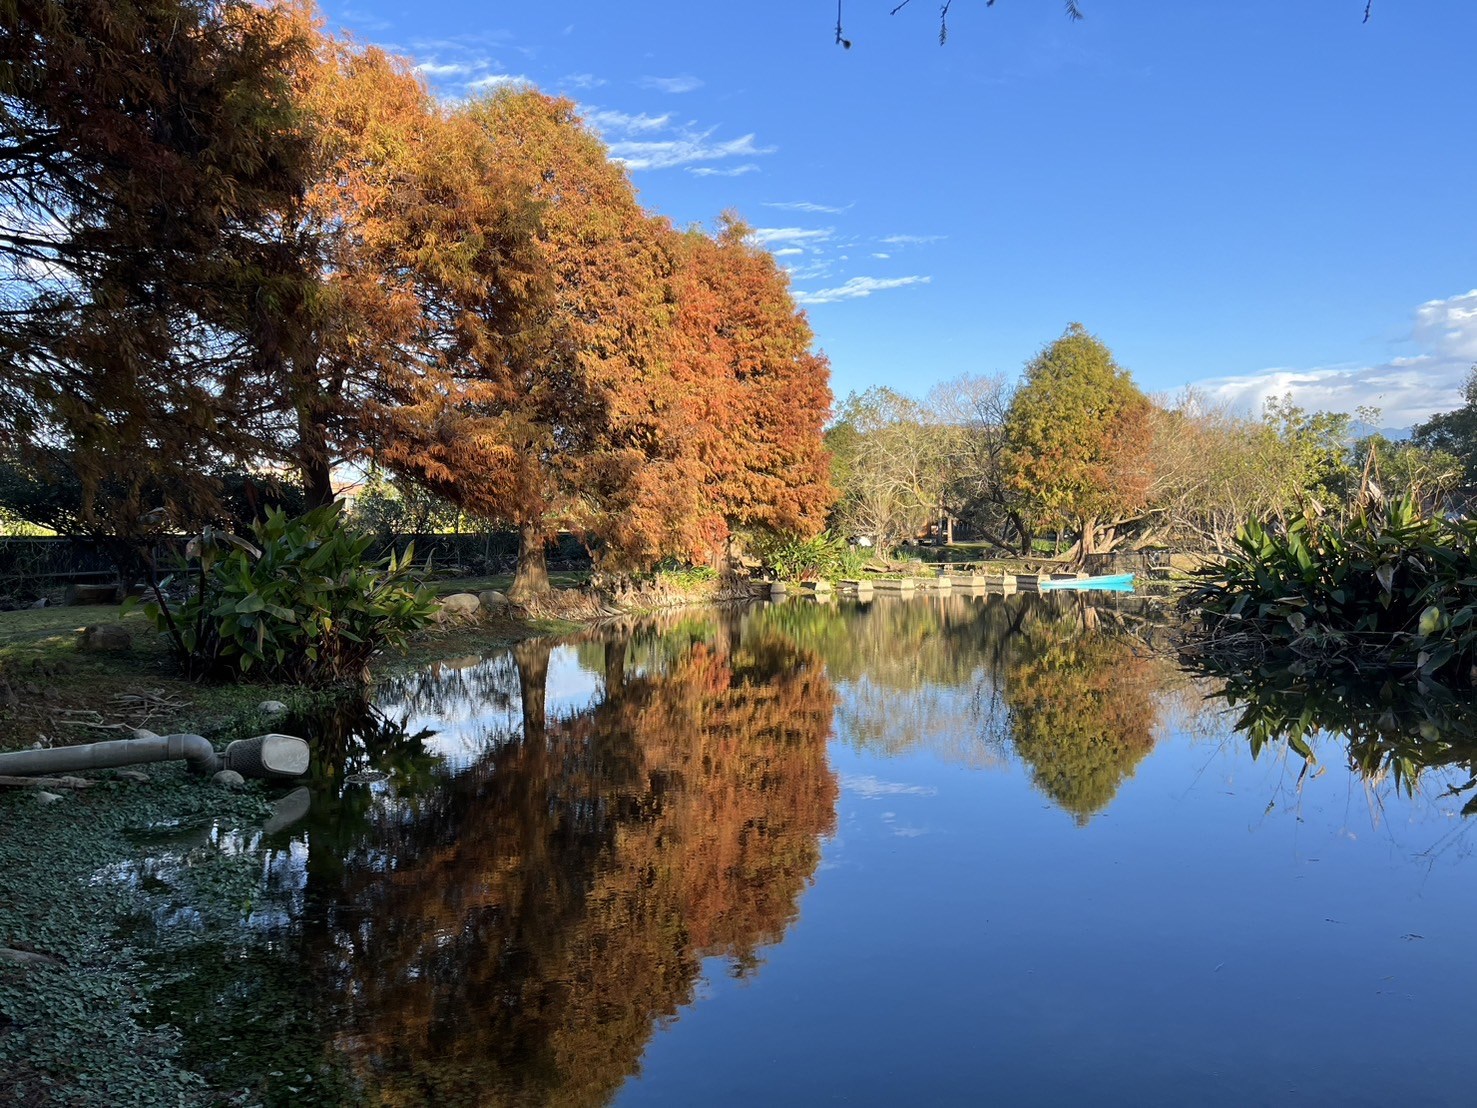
(856,288)
(911,240)
(884,257)
(805,206)
(788,251)
(498,80)
(1449,327)
(709,171)
(582,81)
(671,84)
(1407,390)
(692,146)
(604,120)
(433,70)
(766,235)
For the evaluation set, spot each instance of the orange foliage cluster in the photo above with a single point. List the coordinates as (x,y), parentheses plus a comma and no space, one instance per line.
(349,269)
(497,318)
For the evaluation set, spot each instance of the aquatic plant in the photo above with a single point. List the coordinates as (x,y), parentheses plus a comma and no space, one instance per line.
(1390,587)
(303,604)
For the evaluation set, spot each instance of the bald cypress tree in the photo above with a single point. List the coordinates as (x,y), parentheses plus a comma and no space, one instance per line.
(1078,440)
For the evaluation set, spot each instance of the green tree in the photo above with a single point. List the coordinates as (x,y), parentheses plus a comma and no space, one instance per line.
(1078,441)
(1454,432)
(1318,457)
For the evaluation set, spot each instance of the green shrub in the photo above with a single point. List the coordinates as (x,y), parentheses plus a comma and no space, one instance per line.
(301,604)
(793,558)
(1392,588)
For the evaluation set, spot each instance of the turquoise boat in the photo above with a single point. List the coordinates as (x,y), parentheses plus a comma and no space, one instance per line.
(1117,582)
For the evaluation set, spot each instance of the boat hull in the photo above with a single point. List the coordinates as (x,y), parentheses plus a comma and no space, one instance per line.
(1116,582)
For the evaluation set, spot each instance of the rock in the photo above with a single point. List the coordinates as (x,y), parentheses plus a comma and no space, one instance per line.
(104,637)
(229,779)
(494,602)
(137,776)
(47,798)
(272,708)
(460,606)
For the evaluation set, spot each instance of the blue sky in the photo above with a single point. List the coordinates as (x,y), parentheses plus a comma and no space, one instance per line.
(1250,195)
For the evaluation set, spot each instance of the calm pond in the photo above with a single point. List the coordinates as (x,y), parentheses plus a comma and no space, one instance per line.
(946,850)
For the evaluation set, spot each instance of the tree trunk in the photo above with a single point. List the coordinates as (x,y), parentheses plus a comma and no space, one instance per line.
(313,460)
(532,659)
(531,581)
(615,668)
(1086,542)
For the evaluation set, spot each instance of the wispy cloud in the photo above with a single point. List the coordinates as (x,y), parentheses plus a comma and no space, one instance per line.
(810,271)
(1407,389)
(709,171)
(857,288)
(766,235)
(671,84)
(912,240)
(692,146)
(582,81)
(804,206)
(605,120)
(788,251)
(883,257)
(874,787)
(497,80)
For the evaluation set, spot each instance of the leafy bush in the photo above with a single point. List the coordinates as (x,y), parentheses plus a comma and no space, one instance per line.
(793,558)
(1387,588)
(302,604)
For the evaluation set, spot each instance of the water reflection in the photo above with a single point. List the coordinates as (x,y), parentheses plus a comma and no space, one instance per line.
(515,935)
(521,867)
(1065,683)
(1399,731)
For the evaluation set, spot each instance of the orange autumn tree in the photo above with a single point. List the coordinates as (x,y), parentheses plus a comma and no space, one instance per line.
(353,299)
(760,395)
(566,415)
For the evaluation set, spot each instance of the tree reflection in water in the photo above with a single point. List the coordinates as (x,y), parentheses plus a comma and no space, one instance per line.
(510,922)
(1057,679)
(514,936)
